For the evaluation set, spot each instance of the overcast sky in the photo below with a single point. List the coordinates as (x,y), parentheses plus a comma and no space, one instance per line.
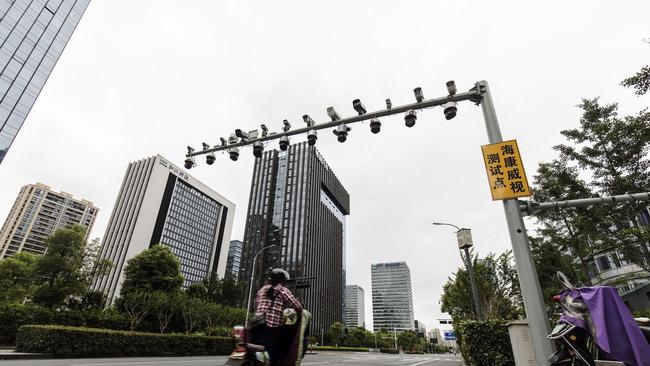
(145,77)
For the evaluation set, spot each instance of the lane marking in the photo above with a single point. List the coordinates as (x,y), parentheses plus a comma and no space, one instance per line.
(420,363)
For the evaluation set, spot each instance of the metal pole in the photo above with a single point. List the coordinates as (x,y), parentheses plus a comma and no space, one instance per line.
(528,280)
(530,207)
(472,280)
(250,285)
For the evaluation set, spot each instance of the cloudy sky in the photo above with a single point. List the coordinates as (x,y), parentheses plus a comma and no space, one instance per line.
(145,77)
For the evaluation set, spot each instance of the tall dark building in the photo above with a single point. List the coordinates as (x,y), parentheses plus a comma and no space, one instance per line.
(32,36)
(298,204)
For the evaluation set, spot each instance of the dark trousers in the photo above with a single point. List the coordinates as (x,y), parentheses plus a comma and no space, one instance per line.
(276,341)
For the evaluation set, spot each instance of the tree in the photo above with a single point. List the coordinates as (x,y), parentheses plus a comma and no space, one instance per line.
(337,331)
(192,311)
(498,287)
(16,277)
(226,291)
(137,305)
(60,267)
(606,155)
(641,80)
(92,265)
(155,269)
(164,306)
(197,290)
(407,340)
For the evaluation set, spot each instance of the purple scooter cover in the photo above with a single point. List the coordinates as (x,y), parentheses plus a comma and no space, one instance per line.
(616,332)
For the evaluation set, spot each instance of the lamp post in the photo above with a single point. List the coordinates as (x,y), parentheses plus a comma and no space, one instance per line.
(250,285)
(465,242)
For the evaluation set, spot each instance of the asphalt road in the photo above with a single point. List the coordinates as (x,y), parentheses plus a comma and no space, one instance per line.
(329,359)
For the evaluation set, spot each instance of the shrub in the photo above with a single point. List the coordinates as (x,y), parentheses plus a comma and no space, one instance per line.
(85,342)
(332,348)
(218,332)
(12,316)
(484,343)
(391,351)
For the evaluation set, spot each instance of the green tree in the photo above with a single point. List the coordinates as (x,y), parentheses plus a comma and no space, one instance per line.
(498,287)
(337,331)
(193,311)
(226,291)
(155,269)
(407,340)
(137,305)
(197,290)
(60,268)
(165,306)
(641,80)
(16,277)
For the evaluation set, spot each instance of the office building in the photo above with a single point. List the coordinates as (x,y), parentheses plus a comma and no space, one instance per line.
(234,258)
(355,314)
(420,329)
(392,298)
(32,36)
(37,213)
(159,203)
(297,204)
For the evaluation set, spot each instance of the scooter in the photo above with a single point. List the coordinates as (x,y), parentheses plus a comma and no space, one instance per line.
(594,325)
(249,353)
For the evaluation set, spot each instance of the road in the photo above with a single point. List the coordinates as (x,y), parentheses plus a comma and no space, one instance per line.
(325,359)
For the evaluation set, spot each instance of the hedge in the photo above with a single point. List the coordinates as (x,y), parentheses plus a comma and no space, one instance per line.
(13,316)
(332,348)
(65,341)
(485,343)
(391,351)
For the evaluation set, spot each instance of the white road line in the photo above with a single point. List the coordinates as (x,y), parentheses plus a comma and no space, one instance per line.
(420,363)
(136,363)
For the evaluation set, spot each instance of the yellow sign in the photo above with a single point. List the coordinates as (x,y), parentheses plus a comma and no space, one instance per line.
(505,171)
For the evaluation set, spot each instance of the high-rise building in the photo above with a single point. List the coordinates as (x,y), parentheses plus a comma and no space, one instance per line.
(234,258)
(420,329)
(355,313)
(392,298)
(159,203)
(298,205)
(37,213)
(32,36)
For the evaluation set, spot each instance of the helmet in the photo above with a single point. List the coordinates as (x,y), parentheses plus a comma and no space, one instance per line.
(278,275)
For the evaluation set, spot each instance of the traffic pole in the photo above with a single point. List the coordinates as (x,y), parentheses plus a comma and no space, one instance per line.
(528,281)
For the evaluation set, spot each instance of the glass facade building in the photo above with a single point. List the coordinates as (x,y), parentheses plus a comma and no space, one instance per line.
(234,258)
(392,298)
(161,204)
(33,33)
(37,213)
(355,313)
(298,204)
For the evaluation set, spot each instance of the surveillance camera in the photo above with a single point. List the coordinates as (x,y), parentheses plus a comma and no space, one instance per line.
(210,158)
(359,107)
(312,137)
(341,132)
(287,126)
(223,141)
(232,139)
(389,104)
(410,118)
(450,110)
(258,148)
(331,112)
(190,149)
(310,122)
(451,87)
(234,153)
(375,125)
(189,163)
(284,143)
(241,134)
(265,130)
(205,146)
(418,94)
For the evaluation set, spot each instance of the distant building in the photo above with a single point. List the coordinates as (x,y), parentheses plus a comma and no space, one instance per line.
(298,204)
(234,258)
(160,203)
(420,329)
(37,213)
(444,333)
(392,298)
(33,35)
(355,313)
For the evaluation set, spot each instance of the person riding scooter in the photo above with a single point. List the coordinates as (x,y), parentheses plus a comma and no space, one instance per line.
(271,301)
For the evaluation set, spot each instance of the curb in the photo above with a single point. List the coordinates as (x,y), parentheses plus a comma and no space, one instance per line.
(24,356)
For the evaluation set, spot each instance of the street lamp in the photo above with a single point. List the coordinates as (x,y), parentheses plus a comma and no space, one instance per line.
(465,242)
(250,285)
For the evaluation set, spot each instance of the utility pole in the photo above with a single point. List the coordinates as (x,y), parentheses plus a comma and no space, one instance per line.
(250,285)
(528,280)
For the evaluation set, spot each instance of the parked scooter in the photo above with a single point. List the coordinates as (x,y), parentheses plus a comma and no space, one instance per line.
(595,324)
(248,352)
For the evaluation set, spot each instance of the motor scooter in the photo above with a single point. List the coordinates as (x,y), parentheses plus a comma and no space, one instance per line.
(595,324)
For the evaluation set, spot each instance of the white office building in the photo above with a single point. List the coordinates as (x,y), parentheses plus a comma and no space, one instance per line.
(355,313)
(159,203)
(392,298)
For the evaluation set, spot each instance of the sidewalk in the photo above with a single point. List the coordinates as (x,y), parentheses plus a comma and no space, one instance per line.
(9,353)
